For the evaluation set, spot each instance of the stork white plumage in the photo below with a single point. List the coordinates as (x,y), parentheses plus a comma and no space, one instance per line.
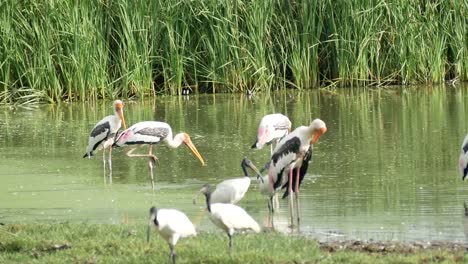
(171,224)
(288,155)
(233,190)
(271,129)
(103,134)
(228,217)
(463,160)
(152,133)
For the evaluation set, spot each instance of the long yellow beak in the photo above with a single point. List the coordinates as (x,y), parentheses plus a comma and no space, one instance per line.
(121,116)
(317,134)
(192,147)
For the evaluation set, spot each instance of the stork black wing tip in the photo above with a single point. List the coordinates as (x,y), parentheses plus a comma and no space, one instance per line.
(254,145)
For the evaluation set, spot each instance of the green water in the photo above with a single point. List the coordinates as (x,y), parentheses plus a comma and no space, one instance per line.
(385,169)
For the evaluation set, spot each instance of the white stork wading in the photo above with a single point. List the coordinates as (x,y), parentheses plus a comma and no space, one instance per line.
(271,129)
(233,190)
(151,133)
(463,160)
(228,217)
(104,132)
(171,224)
(289,155)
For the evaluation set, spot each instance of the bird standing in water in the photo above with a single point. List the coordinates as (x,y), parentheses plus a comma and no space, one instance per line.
(289,155)
(152,133)
(104,132)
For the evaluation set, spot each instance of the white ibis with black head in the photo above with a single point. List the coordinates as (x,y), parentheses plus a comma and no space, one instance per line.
(288,155)
(463,160)
(233,190)
(272,128)
(152,133)
(103,134)
(171,224)
(228,217)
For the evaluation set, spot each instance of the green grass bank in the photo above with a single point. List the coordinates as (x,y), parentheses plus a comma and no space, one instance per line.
(94,243)
(54,50)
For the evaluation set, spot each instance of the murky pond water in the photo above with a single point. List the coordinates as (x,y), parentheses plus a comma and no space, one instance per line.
(386,169)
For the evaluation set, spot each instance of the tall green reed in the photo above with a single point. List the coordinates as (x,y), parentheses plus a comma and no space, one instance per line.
(65,50)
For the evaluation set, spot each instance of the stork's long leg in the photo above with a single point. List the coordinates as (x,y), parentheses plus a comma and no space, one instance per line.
(275,201)
(270,211)
(104,159)
(151,162)
(290,197)
(110,160)
(296,194)
(152,158)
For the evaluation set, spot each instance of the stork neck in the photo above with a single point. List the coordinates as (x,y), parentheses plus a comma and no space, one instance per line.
(176,141)
(244,168)
(208,201)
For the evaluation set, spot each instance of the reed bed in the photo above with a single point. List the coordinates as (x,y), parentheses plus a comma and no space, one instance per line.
(54,50)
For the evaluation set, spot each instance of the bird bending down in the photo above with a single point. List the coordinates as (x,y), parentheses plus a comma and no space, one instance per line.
(171,224)
(151,133)
(233,190)
(463,160)
(288,155)
(272,128)
(228,217)
(103,134)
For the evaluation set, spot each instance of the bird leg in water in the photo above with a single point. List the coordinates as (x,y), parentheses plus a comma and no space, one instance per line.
(296,195)
(104,159)
(151,160)
(271,210)
(109,158)
(270,205)
(290,196)
(275,202)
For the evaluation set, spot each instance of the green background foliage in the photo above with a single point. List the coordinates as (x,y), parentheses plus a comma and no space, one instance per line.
(53,50)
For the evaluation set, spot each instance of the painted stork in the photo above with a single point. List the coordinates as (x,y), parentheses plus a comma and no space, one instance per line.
(288,155)
(103,134)
(228,217)
(302,172)
(271,129)
(463,160)
(151,133)
(171,224)
(233,190)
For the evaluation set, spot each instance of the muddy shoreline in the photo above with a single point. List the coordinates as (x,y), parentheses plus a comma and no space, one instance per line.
(391,246)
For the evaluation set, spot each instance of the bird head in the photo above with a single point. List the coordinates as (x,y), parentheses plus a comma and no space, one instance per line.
(118,108)
(248,163)
(205,190)
(152,217)
(188,142)
(318,128)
